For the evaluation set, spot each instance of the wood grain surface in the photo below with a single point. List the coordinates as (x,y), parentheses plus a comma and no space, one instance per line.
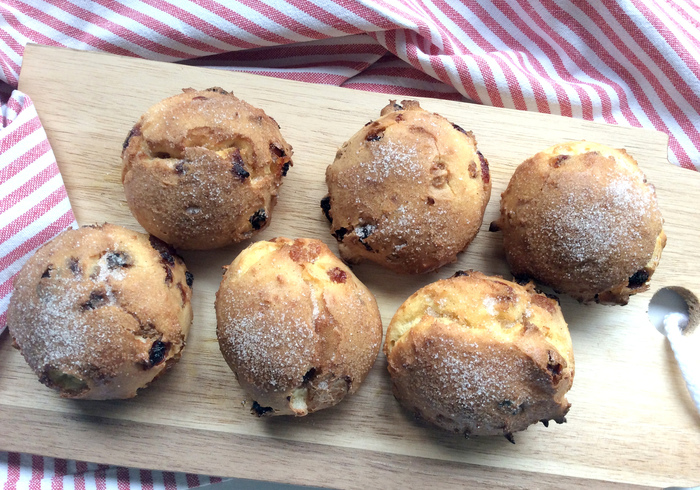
(631,421)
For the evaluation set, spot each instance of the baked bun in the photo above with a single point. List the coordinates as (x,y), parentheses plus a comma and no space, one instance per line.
(407,191)
(296,326)
(101,311)
(480,355)
(580,217)
(202,169)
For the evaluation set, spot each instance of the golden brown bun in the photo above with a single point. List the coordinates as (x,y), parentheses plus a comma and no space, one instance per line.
(202,169)
(480,355)
(296,326)
(581,218)
(407,191)
(101,311)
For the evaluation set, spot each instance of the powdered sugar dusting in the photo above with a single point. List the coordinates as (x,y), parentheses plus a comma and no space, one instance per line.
(597,222)
(271,344)
(394,160)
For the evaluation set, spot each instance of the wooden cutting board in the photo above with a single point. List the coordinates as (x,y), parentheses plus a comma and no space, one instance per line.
(631,421)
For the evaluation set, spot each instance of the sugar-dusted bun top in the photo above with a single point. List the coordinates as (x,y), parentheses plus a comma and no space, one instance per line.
(296,326)
(480,355)
(407,191)
(202,169)
(100,311)
(582,218)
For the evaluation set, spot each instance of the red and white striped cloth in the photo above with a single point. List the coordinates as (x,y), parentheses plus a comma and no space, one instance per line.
(630,62)
(34,205)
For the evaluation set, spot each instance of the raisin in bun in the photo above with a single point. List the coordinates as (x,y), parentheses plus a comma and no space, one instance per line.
(296,326)
(101,311)
(480,355)
(581,218)
(202,169)
(407,191)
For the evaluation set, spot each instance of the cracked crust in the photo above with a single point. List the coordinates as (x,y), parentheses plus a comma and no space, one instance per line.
(581,218)
(479,355)
(296,326)
(101,311)
(202,169)
(407,191)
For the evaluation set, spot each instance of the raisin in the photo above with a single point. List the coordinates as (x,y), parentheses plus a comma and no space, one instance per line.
(277,150)
(363,232)
(545,422)
(430,201)
(553,366)
(460,273)
(523,279)
(370,122)
(168,274)
(509,436)
(96,300)
(326,208)
(166,251)
(117,259)
(337,275)
(374,136)
(494,226)
(238,168)
(260,411)
(285,168)
(340,233)
(157,353)
(485,176)
(189,278)
(135,131)
(218,90)
(74,265)
(258,220)
(638,279)
(559,160)
(310,374)
(460,129)
(399,117)
(510,407)
(183,293)
(397,107)
(47,272)
(180,168)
